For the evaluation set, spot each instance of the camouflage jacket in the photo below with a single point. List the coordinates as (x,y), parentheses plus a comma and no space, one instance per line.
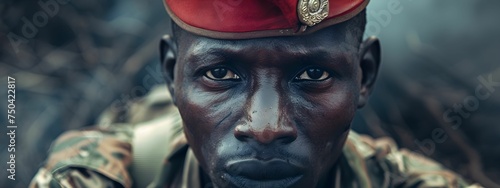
(150,150)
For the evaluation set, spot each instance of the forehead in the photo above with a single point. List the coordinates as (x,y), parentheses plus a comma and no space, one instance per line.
(329,40)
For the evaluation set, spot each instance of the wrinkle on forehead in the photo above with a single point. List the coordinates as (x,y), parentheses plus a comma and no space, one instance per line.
(328,44)
(278,55)
(336,37)
(294,46)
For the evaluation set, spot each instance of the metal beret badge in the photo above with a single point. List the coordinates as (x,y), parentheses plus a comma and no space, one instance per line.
(312,12)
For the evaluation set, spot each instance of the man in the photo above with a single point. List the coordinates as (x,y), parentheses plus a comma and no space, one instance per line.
(266,92)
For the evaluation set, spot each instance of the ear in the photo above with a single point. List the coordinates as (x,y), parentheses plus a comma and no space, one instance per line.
(369,64)
(168,53)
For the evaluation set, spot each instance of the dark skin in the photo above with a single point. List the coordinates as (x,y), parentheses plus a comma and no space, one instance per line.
(270,112)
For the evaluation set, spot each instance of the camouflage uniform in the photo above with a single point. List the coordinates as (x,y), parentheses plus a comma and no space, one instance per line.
(132,154)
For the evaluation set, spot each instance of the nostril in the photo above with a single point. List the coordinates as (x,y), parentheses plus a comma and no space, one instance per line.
(268,136)
(281,134)
(241,133)
(287,139)
(241,137)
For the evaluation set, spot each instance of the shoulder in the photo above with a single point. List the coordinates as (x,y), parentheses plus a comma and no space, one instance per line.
(379,162)
(108,153)
(92,157)
(157,134)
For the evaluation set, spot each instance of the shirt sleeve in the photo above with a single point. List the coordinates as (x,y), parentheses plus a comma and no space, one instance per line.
(94,157)
(408,169)
(101,156)
(425,172)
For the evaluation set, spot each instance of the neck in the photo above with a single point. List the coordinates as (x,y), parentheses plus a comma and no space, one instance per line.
(328,180)
(205,179)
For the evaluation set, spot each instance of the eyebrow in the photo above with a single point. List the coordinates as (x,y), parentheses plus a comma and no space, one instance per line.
(205,58)
(302,56)
(321,57)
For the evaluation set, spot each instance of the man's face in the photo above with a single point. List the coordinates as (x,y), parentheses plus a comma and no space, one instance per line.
(269,112)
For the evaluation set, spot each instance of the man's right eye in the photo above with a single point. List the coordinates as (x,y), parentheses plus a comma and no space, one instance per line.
(221,74)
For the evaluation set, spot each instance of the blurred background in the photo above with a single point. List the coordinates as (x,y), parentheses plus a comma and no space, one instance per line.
(437,93)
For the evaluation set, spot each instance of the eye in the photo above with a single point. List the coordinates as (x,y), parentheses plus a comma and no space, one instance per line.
(221,74)
(313,74)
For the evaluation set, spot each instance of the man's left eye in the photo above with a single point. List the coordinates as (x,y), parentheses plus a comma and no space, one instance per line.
(313,74)
(221,74)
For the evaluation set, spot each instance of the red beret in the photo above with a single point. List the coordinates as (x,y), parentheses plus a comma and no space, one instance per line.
(243,19)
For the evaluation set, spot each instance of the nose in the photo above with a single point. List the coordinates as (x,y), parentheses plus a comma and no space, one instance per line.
(266,119)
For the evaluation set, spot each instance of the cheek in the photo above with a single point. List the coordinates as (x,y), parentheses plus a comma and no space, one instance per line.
(329,128)
(330,153)
(332,115)
(329,119)
(198,120)
(195,116)
(207,119)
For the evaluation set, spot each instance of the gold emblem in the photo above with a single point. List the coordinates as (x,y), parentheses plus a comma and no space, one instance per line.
(311,12)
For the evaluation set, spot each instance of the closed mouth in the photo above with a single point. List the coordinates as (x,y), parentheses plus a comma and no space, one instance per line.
(256,173)
(244,182)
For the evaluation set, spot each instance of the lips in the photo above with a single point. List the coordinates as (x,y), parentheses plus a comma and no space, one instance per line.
(258,173)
